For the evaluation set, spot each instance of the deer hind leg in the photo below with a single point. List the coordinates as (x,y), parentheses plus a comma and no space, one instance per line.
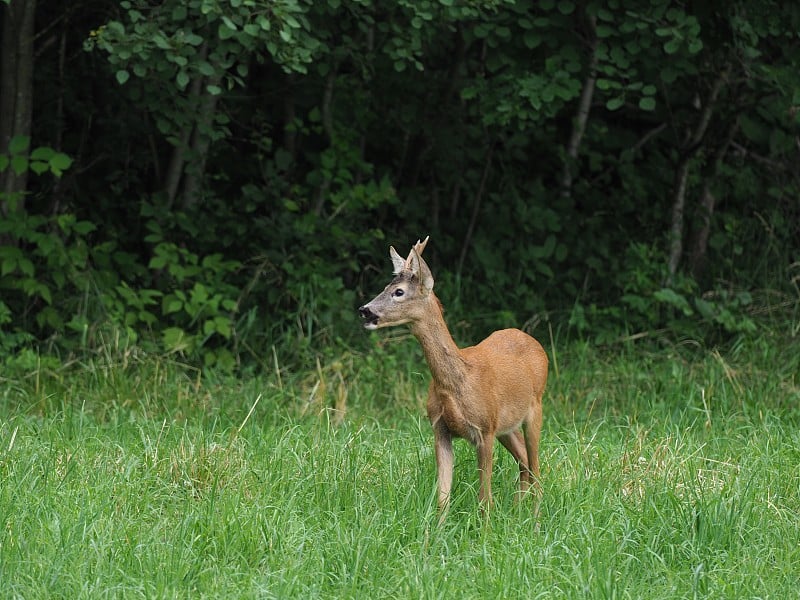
(514,442)
(532,428)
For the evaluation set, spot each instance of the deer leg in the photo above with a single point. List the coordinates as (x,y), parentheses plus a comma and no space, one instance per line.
(443,444)
(485,447)
(514,442)
(532,427)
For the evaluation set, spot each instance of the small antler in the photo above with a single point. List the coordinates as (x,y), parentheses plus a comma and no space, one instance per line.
(406,265)
(420,245)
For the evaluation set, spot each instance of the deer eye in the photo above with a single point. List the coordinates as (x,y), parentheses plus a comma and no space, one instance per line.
(397,293)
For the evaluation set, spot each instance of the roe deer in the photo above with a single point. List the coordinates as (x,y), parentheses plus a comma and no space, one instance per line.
(477,393)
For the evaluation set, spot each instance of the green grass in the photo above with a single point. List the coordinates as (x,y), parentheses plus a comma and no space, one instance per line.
(666,475)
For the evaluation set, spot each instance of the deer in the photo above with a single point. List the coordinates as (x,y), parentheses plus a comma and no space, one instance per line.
(491,390)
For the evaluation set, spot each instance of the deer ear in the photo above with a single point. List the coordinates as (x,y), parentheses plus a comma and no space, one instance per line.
(397,261)
(420,268)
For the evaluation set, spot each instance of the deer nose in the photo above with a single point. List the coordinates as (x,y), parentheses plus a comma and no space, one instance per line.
(365,312)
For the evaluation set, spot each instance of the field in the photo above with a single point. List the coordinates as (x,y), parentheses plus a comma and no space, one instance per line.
(667,473)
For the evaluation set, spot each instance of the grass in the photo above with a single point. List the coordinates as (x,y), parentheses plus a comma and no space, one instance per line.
(666,475)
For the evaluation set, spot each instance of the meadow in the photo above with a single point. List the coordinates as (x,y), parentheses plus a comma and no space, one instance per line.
(668,472)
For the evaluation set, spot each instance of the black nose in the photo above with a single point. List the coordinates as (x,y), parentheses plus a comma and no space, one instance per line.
(365,312)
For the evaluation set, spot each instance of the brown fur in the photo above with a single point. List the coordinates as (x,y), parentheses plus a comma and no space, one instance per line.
(477,393)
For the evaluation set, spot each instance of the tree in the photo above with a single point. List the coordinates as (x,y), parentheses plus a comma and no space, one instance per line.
(16,101)
(604,164)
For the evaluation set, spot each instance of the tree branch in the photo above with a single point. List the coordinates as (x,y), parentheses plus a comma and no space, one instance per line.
(581,118)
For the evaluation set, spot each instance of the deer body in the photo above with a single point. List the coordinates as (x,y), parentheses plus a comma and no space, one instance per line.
(477,393)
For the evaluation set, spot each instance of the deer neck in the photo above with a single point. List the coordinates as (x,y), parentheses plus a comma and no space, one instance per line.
(445,361)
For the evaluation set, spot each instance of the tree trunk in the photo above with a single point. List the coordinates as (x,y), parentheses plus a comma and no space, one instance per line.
(58,186)
(16,99)
(327,126)
(581,118)
(476,209)
(175,170)
(201,142)
(699,245)
(697,256)
(692,145)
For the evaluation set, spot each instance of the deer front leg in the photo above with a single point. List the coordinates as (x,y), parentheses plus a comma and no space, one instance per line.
(485,447)
(443,444)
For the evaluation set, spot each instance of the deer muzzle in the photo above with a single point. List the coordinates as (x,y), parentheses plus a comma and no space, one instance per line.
(370,318)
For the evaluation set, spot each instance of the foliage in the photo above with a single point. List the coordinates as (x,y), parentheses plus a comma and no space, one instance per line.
(45,260)
(39,257)
(241,166)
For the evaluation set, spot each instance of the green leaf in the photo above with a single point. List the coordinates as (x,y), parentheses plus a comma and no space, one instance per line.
(566,7)
(754,130)
(209,327)
(182,79)
(672,46)
(546,249)
(176,340)
(205,68)
(157,262)
(19,144)
(84,227)
(532,39)
(3,162)
(59,163)
(192,39)
(26,266)
(545,269)
(225,33)
(19,164)
(604,31)
(707,310)
(44,293)
(229,24)
(161,42)
(615,103)
(672,298)
(647,103)
(7,266)
(39,167)
(122,76)
(42,153)
(605,15)
(669,74)
(171,304)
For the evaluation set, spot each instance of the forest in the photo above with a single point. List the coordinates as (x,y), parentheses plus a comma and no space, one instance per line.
(196,197)
(210,179)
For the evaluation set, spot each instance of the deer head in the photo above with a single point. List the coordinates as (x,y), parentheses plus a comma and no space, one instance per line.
(405,299)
